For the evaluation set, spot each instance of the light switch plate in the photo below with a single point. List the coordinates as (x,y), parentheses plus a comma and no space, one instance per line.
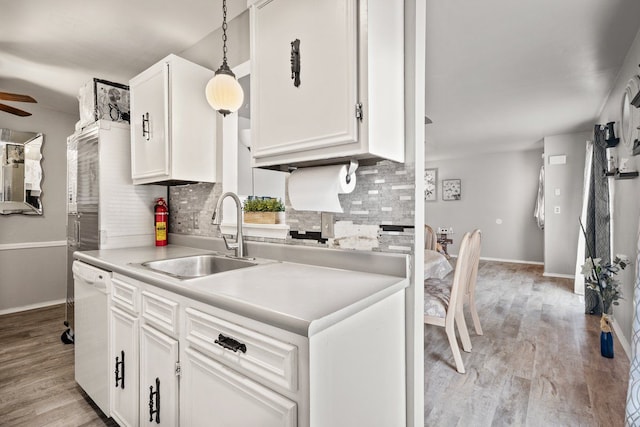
(557,192)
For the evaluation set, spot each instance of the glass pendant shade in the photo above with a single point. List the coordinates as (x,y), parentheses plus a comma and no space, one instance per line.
(224,93)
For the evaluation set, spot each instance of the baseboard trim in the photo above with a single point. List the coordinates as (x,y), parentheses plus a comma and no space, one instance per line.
(32,306)
(32,245)
(622,339)
(562,276)
(512,261)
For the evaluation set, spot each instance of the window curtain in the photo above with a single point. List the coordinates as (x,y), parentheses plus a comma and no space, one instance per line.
(538,212)
(598,215)
(633,393)
(581,255)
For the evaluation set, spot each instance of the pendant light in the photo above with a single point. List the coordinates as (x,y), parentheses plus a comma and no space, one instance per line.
(223,91)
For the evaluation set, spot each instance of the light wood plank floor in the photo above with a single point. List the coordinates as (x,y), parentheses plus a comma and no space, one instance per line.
(537,364)
(37,386)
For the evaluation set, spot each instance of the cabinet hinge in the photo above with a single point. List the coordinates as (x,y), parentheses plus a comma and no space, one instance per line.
(178,369)
(359,111)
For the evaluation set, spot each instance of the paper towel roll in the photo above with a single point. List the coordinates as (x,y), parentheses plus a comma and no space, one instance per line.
(317,188)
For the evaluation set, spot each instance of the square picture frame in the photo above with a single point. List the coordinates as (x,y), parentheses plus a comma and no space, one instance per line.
(451,189)
(431,185)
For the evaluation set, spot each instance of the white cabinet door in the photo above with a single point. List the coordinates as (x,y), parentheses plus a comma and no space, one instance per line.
(149,127)
(124,364)
(320,112)
(158,380)
(215,395)
(173,128)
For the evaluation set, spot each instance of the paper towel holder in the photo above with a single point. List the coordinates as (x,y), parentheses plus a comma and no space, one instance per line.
(353,165)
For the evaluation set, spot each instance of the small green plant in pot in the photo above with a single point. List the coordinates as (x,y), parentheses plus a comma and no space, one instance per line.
(263,210)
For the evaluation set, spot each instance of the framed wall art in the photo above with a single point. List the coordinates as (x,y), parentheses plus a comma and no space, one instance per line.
(451,189)
(430,185)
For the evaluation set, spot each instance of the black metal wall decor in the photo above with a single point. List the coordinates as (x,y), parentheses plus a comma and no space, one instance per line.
(295,62)
(610,135)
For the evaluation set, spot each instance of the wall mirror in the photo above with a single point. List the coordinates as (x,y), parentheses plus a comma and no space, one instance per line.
(241,177)
(237,173)
(629,115)
(21,174)
(254,181)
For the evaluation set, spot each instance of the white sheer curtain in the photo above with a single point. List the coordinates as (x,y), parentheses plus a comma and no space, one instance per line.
(633,393)
(538,212)
(578,284)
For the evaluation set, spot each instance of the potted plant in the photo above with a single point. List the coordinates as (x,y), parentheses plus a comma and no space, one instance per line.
(600,278)
(263,210)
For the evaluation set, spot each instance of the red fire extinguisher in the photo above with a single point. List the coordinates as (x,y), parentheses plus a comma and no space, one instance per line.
(161,222)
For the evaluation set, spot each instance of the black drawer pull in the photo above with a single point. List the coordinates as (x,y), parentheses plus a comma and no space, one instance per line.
(231,344)
(120,371)
(154,397)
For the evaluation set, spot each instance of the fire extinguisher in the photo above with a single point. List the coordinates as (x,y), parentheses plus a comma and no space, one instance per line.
(161,222)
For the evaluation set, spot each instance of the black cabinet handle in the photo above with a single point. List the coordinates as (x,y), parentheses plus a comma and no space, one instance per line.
(154,397)
(295,62)
(145,127)
(231,344)
(120,370)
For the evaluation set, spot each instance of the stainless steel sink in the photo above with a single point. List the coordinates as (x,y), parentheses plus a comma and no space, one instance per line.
(190,267)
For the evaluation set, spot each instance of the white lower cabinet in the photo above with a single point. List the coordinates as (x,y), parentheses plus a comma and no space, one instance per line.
(124,359)
(199,365)
(158,378)
(215,395)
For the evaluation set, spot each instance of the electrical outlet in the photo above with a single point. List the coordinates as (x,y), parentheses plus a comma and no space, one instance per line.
(326,221)
(196,218)
(556,209)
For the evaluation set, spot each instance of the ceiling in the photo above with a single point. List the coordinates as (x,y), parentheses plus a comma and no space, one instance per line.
(500,74)
(50,49)
(503,74)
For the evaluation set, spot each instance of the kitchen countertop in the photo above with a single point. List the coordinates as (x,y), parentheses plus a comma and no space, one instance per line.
(300,298)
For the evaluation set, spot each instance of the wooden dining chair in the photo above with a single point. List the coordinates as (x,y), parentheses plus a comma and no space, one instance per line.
(470,292)
(443,302)
(430,238)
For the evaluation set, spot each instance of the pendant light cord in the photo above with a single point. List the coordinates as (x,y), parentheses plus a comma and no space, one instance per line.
(224,32)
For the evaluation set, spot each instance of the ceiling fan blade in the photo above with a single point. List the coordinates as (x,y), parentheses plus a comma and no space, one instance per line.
(16,97)
(12,110)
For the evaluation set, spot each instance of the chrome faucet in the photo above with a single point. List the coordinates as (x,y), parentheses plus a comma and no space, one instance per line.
(216,219)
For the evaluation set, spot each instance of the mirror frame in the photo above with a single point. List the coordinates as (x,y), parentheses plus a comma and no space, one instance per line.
(629,121)
(13,137)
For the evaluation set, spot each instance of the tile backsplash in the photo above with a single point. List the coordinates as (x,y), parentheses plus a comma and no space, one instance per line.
(378,214)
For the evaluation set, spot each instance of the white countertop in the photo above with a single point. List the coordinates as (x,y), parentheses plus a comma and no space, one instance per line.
(301,298)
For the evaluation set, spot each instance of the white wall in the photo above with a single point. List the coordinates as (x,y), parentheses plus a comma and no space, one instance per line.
(561,229)
(626,203)
(32,277)
(497,186)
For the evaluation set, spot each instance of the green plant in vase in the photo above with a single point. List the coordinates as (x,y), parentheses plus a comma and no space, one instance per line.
(601,279)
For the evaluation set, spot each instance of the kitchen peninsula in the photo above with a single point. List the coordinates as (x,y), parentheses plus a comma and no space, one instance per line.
(295,342)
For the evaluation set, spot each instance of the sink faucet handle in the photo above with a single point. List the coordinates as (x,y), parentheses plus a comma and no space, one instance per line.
(232,245)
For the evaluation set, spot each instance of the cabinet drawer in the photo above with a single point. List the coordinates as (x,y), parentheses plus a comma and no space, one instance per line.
(125,295)
(160,312)
(265,357)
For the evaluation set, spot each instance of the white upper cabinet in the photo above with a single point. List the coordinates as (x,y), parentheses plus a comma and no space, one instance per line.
(347,100)
(173,129)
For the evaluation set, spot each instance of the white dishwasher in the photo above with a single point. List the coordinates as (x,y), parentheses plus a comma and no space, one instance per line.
(92,287)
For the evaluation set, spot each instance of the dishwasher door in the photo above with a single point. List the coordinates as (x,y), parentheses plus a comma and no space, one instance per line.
(92,287)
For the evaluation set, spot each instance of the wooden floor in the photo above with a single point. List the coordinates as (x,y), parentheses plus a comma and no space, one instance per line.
(37,386)
(537,364)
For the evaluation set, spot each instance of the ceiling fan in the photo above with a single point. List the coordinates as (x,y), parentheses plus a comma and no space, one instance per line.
(6,96)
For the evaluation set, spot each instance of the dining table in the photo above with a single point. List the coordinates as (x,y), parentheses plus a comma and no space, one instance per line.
(436,265)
